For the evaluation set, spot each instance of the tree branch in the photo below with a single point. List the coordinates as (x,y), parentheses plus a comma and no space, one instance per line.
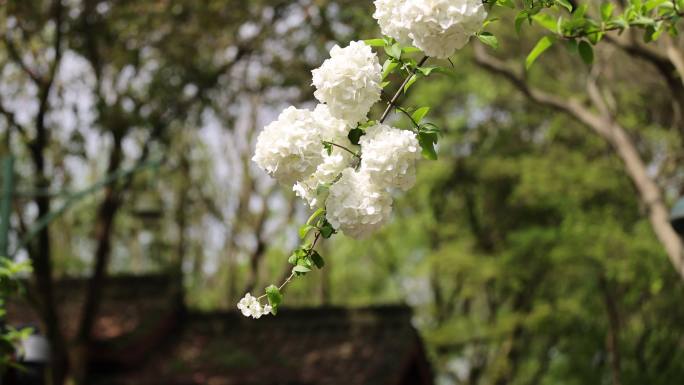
(397,94)
(617,136)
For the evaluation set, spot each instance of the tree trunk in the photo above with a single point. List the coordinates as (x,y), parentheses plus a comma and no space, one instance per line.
(611,131)
(104,227)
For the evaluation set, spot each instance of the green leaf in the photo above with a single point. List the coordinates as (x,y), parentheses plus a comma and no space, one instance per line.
(304,230)
(489,39)
(388,67)
(607,11)
(586,52)
(326,229)
(410,50)
(489,21)
(519,19)
(328,147)
(546,21)
(375,42)
(315,215)
(430,127)
(506,3)
(644,21)
(419,114)
(394,51)
(565,4)
(301,269)
(427,70)
(427,142)
(354,135)
(412,80)
(317,259)
(542,45)
(652,4)
(275,298)
(580,12)
(292,260)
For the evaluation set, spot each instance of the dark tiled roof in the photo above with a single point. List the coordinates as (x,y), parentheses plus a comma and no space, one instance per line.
(145,337)
(135,312)
(322,346)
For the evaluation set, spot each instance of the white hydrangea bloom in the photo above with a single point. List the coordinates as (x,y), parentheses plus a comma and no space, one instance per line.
(330,128)
(440,27)
(326,173)
(389,156)
(289,149)
(356,206)
(349,81)
(388,15)
(251,307)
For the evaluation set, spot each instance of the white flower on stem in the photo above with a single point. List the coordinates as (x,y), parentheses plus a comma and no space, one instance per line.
(251,307)
(310,190)
(330,128)
(437,27)
(289,149)
(441,27)
(388,15)
(389,156)
(349,81)
(356,206)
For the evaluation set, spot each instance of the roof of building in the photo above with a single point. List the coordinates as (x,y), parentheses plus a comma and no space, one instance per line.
(140,341)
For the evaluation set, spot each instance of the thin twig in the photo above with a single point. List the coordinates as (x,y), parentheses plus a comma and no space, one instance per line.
(289,278)
(342,147)
(397,94)
(580,34)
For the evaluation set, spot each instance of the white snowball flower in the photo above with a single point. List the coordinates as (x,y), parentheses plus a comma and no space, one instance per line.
(388,15)
(251,307)
(389,156)
(289,149)
(349,81)
(326,173)
(356,206)
(330,128)
(440,27)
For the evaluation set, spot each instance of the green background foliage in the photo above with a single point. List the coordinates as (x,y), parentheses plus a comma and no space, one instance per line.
(524,249)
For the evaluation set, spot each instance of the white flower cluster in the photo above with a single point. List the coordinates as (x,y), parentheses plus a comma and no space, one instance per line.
(289,149)
(356,205)
(251,307)
(349,82)
(325,174)
(437,27)
(353,188)
(389,156)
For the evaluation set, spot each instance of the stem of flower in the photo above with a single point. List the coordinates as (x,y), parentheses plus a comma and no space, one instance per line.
(289,278)
(342,147)
(397,94)
(402,110)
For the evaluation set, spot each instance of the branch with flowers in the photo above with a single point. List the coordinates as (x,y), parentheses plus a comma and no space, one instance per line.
(343,164)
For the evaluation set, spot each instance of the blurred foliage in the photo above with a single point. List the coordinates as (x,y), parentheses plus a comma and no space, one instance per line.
(523,250)
(10,273)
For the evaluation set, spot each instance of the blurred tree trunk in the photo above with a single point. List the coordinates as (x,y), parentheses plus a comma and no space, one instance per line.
(40,250)
(613,336)
(104,224)
(607,127)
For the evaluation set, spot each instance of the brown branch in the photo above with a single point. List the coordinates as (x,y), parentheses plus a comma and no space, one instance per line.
(613,336)
(397,94)
(16,57)
(616,135)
